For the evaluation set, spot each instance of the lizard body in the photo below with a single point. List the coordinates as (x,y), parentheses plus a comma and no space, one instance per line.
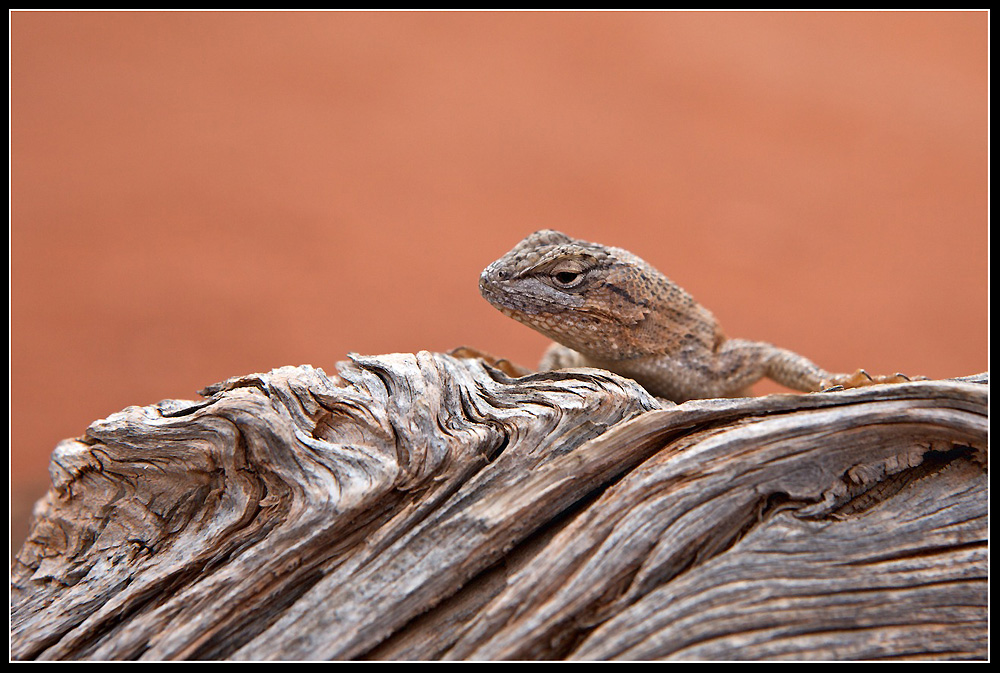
(607,308)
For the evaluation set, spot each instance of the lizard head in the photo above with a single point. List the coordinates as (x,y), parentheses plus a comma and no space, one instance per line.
(589,297)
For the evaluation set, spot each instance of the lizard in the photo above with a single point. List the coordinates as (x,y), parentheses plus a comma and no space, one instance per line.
(605,307)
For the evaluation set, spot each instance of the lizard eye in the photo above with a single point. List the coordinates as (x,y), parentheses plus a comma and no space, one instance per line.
(567,277)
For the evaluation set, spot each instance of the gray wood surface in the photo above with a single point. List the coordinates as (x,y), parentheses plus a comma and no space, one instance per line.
(423,506)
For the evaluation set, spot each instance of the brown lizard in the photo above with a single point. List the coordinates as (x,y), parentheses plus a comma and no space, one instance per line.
(606,308)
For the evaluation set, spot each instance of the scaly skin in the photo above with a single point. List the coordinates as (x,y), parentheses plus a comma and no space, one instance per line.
(604,307)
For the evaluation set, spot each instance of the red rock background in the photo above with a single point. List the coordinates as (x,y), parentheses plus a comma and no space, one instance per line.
(201,195)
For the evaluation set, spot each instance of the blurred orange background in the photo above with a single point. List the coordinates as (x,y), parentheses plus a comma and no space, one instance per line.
(198,195)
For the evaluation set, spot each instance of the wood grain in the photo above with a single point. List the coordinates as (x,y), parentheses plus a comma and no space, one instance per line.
(423,507)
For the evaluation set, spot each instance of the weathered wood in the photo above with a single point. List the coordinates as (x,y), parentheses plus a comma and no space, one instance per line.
(422,506)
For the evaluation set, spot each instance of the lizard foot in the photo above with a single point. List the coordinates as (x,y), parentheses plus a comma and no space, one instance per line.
(862,378)
(503,364)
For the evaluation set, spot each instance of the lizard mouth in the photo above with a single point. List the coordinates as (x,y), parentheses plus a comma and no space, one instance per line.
(511,301)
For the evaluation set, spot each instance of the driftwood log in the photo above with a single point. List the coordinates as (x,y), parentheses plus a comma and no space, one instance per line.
(422,507)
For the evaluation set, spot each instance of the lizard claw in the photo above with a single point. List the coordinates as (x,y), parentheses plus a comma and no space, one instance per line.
(862,378)
(901,377)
